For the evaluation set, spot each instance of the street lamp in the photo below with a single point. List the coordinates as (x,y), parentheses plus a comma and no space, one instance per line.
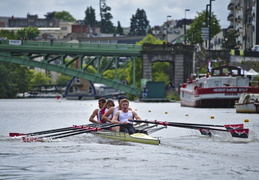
(210,23)
(185,25)
(167,27)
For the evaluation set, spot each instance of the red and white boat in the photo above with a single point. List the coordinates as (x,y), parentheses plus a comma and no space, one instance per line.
(219,90)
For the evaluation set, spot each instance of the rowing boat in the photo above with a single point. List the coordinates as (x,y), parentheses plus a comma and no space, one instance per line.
(141,135)
(137,137)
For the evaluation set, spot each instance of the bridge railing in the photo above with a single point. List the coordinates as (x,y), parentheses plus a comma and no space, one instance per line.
(76,45)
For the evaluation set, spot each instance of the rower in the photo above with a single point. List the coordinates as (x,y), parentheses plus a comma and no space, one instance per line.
(124,116)
(109,104)
(97,112)
(111,112)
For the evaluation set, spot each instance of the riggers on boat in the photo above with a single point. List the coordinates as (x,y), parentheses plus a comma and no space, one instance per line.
(141,135)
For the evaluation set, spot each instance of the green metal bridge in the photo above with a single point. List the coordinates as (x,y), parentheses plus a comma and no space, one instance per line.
(52,55)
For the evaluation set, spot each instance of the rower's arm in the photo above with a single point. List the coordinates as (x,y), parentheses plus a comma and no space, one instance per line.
(136,116)
(115,118)
(91,118)
(107,114)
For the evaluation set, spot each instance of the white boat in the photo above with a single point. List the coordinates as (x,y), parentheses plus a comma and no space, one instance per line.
(141,135)
(137,137)
(220,89)
(248,103)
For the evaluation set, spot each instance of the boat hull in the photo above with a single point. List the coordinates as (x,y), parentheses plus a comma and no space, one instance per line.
(137,137)
(247,108)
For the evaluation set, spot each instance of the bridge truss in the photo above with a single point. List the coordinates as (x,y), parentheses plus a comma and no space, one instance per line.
(74,59)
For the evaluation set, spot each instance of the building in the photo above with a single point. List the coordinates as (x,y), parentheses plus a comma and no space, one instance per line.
(244,21)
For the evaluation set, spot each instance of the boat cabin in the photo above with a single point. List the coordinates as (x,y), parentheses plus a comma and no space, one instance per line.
(227,71)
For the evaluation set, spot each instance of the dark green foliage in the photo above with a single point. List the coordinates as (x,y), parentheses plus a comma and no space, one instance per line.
(119,29)
(90,18)
(194,33)
(106,17)
(139,25)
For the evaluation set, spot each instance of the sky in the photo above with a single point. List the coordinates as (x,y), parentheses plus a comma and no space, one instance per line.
(121,10)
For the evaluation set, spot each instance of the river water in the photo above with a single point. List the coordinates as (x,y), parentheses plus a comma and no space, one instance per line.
(182,154)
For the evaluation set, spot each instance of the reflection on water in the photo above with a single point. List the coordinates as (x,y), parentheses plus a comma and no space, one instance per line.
(183,153)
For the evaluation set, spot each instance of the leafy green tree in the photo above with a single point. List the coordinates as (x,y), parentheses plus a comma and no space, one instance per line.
(23,78)
(150,39)
(28,33)
(194,33)
(50,15)
(106,17)
(229,41)
(161,71)
(40,79)
(8,87)
(8,34)
(138,70)
(139,24)
(63,79)
(90,18)
(64,15)
(119,29)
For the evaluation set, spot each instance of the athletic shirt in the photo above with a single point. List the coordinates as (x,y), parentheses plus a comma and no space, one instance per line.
(115,110)
(99,115)
(125,116)
(110,116)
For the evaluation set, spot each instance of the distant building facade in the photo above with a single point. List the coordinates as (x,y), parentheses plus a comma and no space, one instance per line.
(244,21)
(33,21)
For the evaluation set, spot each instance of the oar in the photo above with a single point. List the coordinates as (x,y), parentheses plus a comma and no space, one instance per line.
(62,135)
(242,133)
(44,132)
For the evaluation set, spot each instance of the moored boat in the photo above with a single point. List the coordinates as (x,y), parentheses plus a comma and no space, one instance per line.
(248,103)
(220,89)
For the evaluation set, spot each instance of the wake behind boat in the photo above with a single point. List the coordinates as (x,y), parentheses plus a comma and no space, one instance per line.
(219,90)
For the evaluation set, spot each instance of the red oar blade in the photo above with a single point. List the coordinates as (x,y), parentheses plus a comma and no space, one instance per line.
(30,139)
(239,133)
(234,126)
(15,134)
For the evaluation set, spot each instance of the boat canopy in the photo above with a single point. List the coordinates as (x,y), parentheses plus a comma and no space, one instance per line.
(226,71)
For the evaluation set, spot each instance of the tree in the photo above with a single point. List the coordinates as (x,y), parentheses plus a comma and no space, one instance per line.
(139,24)
(119,29)
(40,79)
(229,41)
(64,15)
(23,78)
(106,24)
(150,39)
(90,17)
(7,34)
(50,15)
(194,33)
(28,33)
(7,79)
(63,79)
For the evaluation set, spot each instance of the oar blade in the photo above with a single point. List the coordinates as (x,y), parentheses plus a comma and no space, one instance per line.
(30,139)
(239,133)
(205,132)
(234,126)
(16,134)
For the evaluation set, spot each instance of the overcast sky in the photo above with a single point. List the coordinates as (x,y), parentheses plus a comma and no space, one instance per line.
(121,10)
